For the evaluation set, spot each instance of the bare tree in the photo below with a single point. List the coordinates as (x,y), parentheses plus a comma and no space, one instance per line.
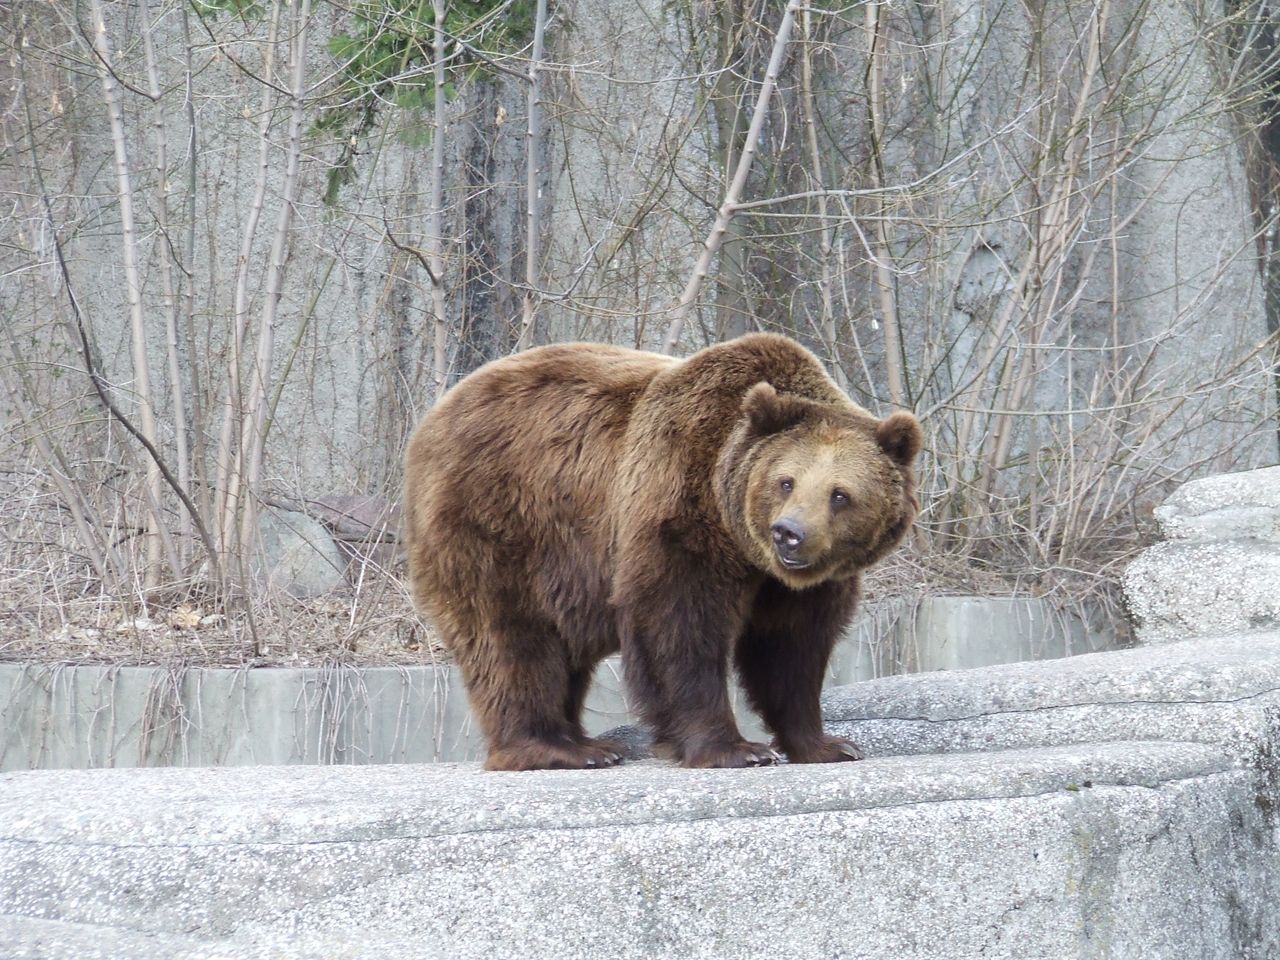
(435,238)
(158,541)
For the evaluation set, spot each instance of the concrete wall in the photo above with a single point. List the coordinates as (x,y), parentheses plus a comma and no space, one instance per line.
(101,716)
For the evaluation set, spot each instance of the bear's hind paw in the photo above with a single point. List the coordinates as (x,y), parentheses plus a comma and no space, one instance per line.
(543,755)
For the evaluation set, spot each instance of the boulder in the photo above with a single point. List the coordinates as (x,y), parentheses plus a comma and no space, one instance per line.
(1219,571)
(297,555)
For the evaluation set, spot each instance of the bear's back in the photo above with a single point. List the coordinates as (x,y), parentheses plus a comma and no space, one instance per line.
(516,463)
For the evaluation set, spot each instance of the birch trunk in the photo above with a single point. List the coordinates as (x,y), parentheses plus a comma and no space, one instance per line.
(229,465)
(533,174)
(255,422)
(156,535)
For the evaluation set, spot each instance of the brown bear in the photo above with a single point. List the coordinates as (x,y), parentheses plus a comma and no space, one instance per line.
(574,500)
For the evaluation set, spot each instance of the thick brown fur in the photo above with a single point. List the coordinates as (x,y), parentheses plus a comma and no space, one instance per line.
(575,500)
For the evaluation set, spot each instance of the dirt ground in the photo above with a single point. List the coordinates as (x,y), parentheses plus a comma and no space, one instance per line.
(53,608)
(281,631)
(372,624)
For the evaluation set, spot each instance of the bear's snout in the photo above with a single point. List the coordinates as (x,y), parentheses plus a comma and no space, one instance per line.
(788,538)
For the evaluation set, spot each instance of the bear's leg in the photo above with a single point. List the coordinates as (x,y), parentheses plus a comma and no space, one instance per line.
(782,660)
(676,640)
(519,686)
(579,684)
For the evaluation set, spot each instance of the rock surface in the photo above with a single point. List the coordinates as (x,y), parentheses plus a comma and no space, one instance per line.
(1220,570)
(1231,506)
(1191,588)
(1224,691)
(1158,849)
(297,554)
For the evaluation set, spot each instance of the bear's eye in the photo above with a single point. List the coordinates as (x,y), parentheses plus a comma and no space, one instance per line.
(786,484)
(839,499)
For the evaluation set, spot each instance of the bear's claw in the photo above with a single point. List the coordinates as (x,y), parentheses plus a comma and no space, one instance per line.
(551,755)
(743,753)
(826,750)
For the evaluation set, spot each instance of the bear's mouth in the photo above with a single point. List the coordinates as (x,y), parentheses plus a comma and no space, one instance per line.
(795,563)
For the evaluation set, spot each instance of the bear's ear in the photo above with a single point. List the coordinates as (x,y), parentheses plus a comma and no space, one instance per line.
(770,412)
(900,436)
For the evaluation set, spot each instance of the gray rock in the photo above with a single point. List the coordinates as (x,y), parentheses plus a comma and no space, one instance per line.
(31,938)
(1233,506)
(357,517)
(1191,588)
(1156,850)
(1223,691)
(636,741)
(297,554)
(1220,571)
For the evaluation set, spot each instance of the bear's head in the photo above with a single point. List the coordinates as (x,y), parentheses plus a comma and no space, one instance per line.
(815,492)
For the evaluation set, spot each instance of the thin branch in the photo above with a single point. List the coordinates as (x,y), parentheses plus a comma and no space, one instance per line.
(424,259)
(99,386)
(713,242)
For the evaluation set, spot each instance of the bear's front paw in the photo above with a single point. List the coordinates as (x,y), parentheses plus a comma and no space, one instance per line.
(739,753)
(825,750)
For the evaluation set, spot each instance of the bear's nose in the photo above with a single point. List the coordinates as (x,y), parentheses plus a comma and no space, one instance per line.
(787,535)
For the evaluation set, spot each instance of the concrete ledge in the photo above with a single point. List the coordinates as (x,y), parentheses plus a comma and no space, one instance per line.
(54,715)
(1156,849)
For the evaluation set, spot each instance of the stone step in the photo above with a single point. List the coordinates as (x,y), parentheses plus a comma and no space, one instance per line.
(1158,849)
(1223,691)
